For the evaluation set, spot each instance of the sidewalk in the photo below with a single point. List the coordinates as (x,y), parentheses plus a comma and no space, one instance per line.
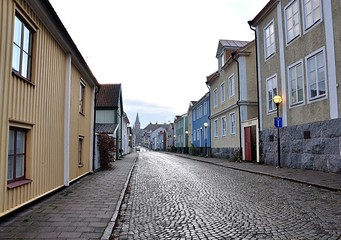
(330,181)
(85,210)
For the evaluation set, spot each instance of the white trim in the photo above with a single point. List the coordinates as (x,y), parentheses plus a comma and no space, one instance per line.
(268,111)
(221,124)
(291,105)
(318,98)
(331,60)
(233,83)
(286,24)
(282,67)
(250,123)
(235,122)
(67,121)
(305,30)
(264,44)
(92,156)
(214,129)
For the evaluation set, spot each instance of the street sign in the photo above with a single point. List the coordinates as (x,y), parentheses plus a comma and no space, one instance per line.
(278,122)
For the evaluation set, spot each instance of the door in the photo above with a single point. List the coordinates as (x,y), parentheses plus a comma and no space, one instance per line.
(248,143)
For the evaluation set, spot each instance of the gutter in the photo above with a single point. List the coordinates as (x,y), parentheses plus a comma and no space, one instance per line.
(94,131)
(233,54)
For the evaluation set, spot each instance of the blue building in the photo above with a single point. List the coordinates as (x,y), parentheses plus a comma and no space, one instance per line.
(200,125)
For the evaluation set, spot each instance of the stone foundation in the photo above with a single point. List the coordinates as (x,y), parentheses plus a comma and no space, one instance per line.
(227,153)
(314,146)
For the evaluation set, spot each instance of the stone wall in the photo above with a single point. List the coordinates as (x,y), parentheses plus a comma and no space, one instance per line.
(227,153)
(314,146)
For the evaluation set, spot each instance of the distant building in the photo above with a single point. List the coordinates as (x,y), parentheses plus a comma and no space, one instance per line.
(137,131)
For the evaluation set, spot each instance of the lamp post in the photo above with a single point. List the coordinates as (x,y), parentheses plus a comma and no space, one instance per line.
(277,100)
(206,125)
(186,142)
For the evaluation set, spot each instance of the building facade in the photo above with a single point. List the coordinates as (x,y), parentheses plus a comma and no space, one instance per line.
(299,59)
(47,105)
(233,101)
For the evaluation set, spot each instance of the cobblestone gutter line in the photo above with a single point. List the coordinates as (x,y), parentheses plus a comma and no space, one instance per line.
(108,230)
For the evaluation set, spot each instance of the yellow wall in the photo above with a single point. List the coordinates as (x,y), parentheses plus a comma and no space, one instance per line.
(39,107)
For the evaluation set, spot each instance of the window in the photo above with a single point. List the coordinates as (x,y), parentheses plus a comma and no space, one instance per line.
(22,49)
(222,92)
(194,135)
(295,76)
(193,114)
(223,126)
(198,135)
(312,12)
(215,128)
(80,151)
(316,75)
(269,40)
(231,86)
(232,123)
(221,60)
(215,98)
(292,19)
(16,155)
(81,97)
(271,89)
(205,108)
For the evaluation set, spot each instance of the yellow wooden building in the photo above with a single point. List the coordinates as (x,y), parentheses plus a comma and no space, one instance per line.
(46,104)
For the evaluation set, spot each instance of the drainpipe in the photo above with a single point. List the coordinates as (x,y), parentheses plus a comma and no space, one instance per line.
(238,103)
(94,131)
(257,77)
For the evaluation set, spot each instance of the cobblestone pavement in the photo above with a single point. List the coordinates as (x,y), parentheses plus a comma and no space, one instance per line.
(173,198)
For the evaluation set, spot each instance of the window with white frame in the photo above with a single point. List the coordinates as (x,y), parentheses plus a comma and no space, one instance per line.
(223,126)
(22,49)
(80,151)
(295,78)
(271,89)
(311,12)
(292,19)
(81,97)
(194,136)
(198,135)
(269,40)
(215,127)
(215,98)
(231,86)
(222,92)
(316,75)
(193,114)
(232,123)
(205,108)
(221,60)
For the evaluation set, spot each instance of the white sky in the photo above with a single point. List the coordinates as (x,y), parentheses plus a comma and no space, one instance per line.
(160,50)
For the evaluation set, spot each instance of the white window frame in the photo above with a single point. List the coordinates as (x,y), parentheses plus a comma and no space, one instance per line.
(273,80)
(231,86)
(272,52)
(205,108)
(223,126)
(304,15)
(215,98)
(222,92)
(232,123)
(319,96)
(215,128)
(221,60)
(289,8)
(290,82)
(193,115)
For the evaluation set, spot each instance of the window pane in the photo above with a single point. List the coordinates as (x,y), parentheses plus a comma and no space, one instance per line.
(313,92)
(300,95)
(11,143)
(17,31)
(24,66)
(10,168)
(16,58)
(26,46)
(20,166)
(20,142)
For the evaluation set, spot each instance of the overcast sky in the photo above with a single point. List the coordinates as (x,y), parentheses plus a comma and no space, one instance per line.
(159,50)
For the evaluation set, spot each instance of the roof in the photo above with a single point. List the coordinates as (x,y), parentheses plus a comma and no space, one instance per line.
(229,44)
(107,128)
(212,77)
(152,127)
(108,95)
(264,12)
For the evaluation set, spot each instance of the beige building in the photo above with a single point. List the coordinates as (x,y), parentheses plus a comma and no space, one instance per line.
(233,102)
(298,44)
(46,96)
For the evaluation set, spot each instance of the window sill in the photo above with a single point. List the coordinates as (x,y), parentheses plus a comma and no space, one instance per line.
(80,165)
(22,78)
(18,183)
(82,114)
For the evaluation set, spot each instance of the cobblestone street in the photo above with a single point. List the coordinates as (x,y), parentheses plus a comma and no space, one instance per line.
(174,198)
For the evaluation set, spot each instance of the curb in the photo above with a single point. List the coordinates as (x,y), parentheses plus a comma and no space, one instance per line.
(108,230)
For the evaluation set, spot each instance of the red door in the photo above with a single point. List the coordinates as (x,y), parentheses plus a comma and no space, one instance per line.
(248,143)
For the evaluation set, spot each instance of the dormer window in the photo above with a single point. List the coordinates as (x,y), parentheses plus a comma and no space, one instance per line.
(221,60)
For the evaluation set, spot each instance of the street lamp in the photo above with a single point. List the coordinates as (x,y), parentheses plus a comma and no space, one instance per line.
(206,125)
(186,142)
(277,100)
